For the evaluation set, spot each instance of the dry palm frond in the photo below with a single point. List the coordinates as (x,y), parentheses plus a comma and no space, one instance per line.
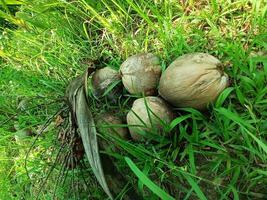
(77,135)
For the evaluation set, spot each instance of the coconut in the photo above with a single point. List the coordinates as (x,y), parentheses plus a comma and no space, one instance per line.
(102,79)
(193,80)
(141,73)
(146,115)
(110,123)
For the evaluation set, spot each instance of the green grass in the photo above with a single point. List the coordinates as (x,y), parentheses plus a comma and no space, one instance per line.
(217,154)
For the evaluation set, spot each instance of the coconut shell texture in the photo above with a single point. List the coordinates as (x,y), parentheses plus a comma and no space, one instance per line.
(193,80)
(139,116)
(141,74)
(102,78)
(107,122)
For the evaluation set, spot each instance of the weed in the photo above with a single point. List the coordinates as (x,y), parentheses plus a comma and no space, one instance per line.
(218,154)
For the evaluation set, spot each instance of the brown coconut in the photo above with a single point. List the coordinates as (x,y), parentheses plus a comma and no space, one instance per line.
(138,118)
(141,74)
(193,80)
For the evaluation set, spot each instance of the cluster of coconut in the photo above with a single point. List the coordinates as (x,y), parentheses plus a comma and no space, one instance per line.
(192,80)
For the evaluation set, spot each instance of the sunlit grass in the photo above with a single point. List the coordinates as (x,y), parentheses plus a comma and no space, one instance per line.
(217,154)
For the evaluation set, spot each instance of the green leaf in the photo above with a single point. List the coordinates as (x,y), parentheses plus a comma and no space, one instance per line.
(260,143)
(234,117)
(235,177)
(190,150)
(10,18)
(223,96)
(240,95)
(235,193)
(11,2)
(195,187)
(262,172)
(177,121)
(96,15)
(145,171)
(142,177)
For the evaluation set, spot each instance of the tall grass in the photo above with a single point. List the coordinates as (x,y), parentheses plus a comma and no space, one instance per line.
(219,154)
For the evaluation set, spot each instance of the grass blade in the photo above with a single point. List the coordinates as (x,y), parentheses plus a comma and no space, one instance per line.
(195,187)
(11,2)
(234,117)
(260,143)
(223,96)
(146,181)
(177,121)
(191,158)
